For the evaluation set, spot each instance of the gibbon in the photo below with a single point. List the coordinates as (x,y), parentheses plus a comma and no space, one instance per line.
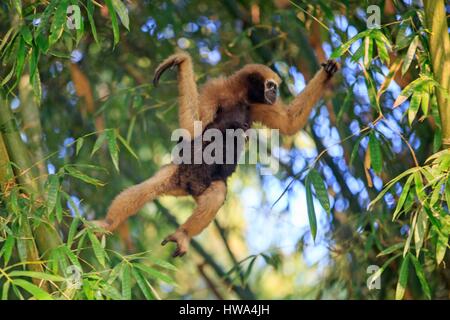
(245,97)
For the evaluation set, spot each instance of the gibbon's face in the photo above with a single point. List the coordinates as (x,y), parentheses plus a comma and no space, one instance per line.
(261,90)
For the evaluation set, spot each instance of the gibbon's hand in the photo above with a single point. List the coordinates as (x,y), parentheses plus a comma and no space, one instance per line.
(181,239)
(330,67)
(169,63)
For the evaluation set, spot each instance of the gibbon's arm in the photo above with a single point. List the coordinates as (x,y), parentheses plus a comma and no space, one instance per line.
(290,119)
(188,94)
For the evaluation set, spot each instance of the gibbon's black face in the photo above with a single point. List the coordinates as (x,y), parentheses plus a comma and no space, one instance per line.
(261,90)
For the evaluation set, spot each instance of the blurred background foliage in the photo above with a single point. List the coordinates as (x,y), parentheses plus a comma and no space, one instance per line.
(80,121)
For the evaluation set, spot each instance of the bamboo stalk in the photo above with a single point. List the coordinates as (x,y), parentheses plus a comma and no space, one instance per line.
(440,58)
(45,236)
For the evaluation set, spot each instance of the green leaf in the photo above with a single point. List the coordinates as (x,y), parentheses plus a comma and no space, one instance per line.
(346,104)
(403,279)
(37,87)
(113,148)
(80,175)
(114,22)
(441,245)
(59,21)
(375,153)
(420,231)
(79,144)
(356,149)
(321,190)
(410,89)
(53,187)
(339,51)
(5,290)
(421,276)
(72,257)
(402,198)
(7,249)
(122,12)
(26,35)
(382,51)
(126,282)
(311,212)
(391,249)
(21,54)
(162,263)
(410,54)
(34,60)
(410,233)
(380,271)
(72,231)
(36,275)
(90,13)
(18,6)
(34,290)
(98,143)
(368,51)
(155,273)
(127,146)
(142,283)
(414,106)
(99,252)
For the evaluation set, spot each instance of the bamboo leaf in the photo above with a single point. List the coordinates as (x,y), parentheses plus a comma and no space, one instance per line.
(36,275)
(126,282)
(114,22)
(7,249)
(155,273)
(410,54)
(311,212)
(34,290)
(142,283)
(127,146)
(391,249)
(90,14)
(414,106)
(99,252)
(53,186)
(403,279)
(113,148)
(80,175)
(59,21)
(98,143)
(420,231)
(421,276)
(320,188)
(79,145)
(402,197)
(375,153)
(122,12)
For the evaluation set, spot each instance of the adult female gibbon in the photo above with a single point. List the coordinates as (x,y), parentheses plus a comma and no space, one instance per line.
(247,96)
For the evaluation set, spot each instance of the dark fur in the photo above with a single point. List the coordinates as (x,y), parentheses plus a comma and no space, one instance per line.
(196,178)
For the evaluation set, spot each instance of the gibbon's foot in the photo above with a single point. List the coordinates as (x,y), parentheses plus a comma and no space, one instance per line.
(330,67)
(171,63)
(181,239)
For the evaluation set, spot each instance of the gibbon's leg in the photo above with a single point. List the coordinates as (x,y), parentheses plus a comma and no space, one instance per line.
(294,117)
(188,94)
(208,203)
(129,201)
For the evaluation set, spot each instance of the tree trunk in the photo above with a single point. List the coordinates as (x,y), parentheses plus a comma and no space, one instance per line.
(440,59)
